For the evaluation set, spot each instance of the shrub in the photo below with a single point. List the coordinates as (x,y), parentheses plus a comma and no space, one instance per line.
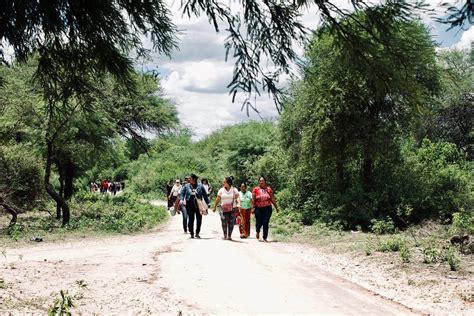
(432,254)
(21,177)
(453,259)
(463,222)
(405,254)
(439,181)
(380,227)
(392,244)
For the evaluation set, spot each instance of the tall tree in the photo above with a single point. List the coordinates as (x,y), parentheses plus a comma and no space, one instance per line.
(74,128)
(356,100)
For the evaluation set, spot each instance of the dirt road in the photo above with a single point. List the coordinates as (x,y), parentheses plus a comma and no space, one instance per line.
(165,272)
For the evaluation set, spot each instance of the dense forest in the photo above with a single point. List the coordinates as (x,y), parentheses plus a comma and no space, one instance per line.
(378,129)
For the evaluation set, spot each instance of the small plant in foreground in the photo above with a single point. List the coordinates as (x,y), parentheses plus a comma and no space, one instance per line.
(432,254)
(391,245)
(2,284)
(405,254)
(453,259)
(62,305)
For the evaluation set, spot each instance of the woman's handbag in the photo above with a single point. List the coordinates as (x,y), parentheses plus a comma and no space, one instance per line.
(172,211)
(202,206)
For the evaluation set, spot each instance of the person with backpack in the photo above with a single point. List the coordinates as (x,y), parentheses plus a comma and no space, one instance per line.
(190,194)
(229,199)
(262,200)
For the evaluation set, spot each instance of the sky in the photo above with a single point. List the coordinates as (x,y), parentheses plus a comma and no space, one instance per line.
(196,76)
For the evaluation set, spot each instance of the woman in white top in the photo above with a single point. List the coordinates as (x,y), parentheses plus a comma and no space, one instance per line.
(175,191)
(228,197)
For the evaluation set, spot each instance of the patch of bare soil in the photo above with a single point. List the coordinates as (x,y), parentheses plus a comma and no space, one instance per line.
(429,288)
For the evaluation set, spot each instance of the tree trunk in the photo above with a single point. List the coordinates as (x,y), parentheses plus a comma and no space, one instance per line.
(49,188)
(61,188)
(367,171)
(12,212)
(69,174)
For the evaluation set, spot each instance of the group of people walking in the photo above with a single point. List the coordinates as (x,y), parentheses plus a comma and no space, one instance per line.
(234,206)
(106,186)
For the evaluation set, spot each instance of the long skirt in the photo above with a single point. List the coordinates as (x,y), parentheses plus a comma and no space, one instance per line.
(244,225)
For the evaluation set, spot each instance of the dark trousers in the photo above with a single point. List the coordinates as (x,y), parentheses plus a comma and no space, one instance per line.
(184,212)
(193,211)
(228,222)
(262,218)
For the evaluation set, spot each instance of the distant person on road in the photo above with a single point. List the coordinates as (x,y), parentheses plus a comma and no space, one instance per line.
(104,186)
(113,188)
(229,199)
(173,196)
(262,200)
(169,186)
(245,210)
(180,208)
(189,195)
(207,187)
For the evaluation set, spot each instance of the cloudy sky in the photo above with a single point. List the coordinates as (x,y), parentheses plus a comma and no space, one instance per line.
(196,76)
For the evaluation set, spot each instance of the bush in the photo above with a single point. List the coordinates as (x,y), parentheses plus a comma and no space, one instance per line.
(438,182)
(393,244)
(405,254)
(463,222)
(119,214)
(380,227)
(21,180)
(432,254)
(453,259)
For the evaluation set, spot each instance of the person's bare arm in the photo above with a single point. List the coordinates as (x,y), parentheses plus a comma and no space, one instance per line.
(218,199)
(274,202)
(254,197)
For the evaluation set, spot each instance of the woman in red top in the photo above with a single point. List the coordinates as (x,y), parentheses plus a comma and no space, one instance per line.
(262,200)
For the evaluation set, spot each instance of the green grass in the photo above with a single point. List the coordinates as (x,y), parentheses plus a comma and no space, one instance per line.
(90,214)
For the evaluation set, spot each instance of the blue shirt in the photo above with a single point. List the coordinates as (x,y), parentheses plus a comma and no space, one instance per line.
(187,193)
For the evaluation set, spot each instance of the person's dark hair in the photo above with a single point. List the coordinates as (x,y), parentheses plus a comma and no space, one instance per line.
(193,176)
(204,180)
(262,177)
(229,179)
(244,183)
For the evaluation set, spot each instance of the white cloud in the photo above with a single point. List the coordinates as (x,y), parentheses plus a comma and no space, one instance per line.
(466,39)
(196,77)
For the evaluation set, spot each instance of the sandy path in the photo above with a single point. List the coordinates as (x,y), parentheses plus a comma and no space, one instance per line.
(166,272)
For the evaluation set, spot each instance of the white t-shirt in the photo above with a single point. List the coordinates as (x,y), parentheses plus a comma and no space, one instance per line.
(175,190)
(228,196)
(206,187)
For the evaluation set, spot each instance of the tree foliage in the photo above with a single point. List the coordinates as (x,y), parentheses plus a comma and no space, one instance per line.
(344,123)
(77,39)
(74,131)
(451,117)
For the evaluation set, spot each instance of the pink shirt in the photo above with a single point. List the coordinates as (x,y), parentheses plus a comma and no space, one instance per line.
(262,196)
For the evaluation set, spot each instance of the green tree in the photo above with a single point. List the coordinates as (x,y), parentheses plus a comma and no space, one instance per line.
(343,123)
(451,117)
(74,129)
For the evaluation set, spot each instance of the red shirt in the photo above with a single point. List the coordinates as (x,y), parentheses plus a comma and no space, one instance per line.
(262,196)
